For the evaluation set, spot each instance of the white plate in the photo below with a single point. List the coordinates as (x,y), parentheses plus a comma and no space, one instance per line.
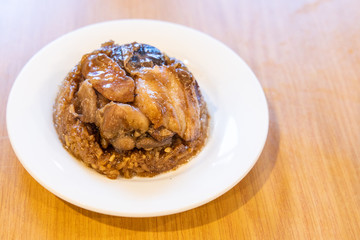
(237,105)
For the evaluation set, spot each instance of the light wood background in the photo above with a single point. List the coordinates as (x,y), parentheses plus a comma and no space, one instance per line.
(306,183)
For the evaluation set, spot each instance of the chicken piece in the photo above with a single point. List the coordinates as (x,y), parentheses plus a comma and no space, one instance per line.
(87,102)
(118,121)
(149,143)
(101,100)
(107,77)
(123,143)
(168,101)
(161,133)
(117,118)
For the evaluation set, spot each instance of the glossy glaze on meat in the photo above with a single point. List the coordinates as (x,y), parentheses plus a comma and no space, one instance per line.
(131,110)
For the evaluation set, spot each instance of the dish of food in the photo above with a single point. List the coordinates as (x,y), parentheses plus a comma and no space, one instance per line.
(235,101)
(131,110)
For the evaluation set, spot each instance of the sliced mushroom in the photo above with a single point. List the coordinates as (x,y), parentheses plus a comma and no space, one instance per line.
(149,142)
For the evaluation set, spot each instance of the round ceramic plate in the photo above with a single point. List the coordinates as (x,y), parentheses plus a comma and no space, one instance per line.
(237,105)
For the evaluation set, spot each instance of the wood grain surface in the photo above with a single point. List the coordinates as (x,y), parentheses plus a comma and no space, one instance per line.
(306,183)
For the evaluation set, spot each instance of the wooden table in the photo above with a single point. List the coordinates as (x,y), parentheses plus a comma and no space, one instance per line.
(306,183)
